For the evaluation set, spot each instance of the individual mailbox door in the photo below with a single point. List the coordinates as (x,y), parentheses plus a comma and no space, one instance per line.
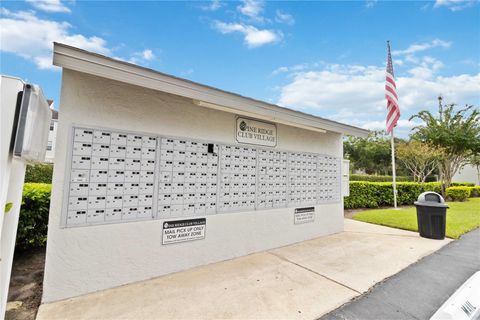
(101,150)
(116,176)
(164,211)
(148,153)
(113,214)
(129,213)
(79,189)
(132,176)
(131,188)
(149,142)
(166,144)
(130,201)
(119,139)
(102,137)
(116,164)
(165,199)
(114,201)
(97,202)
(145,200)
(81,162)
(114,188)
(147,176)
(144,212)
(82,135)
(82,149)
(147,164)
(134,152)
(97,189)
(98,175)
(79,175)
(96,215)
(77,203)
(76,217)
(132,164)
(99,163)
(118,151)
(134,140)
(145,187)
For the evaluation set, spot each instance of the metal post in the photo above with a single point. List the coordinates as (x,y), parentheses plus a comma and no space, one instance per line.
(394,174)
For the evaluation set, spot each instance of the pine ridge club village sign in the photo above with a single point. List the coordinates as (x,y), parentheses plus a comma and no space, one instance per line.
(256,132)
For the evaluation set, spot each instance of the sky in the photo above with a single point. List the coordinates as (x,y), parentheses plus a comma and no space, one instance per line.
(326,58)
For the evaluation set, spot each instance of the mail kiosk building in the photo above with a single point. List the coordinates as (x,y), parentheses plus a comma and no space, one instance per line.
(155,174)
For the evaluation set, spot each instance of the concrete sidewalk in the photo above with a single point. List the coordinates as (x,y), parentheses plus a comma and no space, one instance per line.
(431,282)
(303,281)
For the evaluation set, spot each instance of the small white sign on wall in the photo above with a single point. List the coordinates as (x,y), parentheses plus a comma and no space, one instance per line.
(183,230)
(256,132)
(304,215)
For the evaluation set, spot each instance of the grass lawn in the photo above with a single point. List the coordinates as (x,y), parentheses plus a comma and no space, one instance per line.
(461,217)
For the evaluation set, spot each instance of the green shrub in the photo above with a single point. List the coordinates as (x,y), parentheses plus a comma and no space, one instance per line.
(475,191)
(33,222)
(377,194)
(374,178)
(457,193)
(462,184)
(39,173)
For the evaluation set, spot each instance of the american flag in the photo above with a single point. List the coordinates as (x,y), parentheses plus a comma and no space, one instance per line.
(393,110)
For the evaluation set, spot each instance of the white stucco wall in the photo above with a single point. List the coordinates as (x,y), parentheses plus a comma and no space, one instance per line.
(86,259)
(468,173)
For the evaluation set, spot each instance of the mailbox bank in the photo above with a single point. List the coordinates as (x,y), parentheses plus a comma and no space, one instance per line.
(156,174)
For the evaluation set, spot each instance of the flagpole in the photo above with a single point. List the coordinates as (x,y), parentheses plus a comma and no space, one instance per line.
(394,175)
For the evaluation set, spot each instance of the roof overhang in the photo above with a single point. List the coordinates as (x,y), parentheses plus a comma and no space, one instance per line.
(91,63)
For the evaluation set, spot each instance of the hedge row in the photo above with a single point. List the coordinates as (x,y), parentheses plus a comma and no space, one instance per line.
(462,184)
(374,178)
(461,193)
(33,222)
(377,194)
(39,173)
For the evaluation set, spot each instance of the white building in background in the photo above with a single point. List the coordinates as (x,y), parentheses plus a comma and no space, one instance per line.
(52,135)
(468,173)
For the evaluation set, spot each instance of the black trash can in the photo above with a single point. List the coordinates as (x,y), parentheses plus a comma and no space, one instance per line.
(431,215)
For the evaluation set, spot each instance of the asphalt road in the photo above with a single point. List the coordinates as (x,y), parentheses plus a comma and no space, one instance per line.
(419,290)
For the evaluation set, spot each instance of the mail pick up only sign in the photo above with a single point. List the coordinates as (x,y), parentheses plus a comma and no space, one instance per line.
(183,230)
(256,132)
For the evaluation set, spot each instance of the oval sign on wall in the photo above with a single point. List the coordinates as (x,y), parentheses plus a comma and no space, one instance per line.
(256,132)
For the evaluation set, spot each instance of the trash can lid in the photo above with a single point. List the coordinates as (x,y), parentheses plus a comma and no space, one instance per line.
(431,199)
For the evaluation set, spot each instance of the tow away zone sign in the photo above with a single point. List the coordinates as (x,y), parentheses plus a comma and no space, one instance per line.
(304,215)
(183,230)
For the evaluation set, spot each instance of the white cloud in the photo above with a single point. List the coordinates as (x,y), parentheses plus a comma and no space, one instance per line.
(252,9)
(253,37)
(355,94)
(30,37)
(283,17)
(454,5)
(426,68)
(148,55)
(297,67)
(370,3)
(414,48)
(380,125)
(49,5)
(213,5)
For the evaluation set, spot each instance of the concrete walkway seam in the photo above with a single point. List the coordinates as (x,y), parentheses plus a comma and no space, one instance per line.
(313,271)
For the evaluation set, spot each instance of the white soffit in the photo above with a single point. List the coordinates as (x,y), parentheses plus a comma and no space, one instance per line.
(87,62)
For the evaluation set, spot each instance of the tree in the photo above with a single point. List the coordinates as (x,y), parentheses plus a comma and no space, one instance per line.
(371,154)
(420,158)
(456,133)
